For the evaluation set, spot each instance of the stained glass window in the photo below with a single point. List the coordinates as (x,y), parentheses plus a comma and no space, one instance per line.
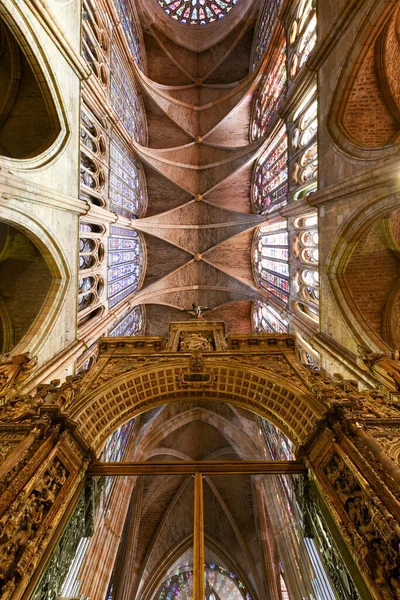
(126,14)
(270,187)
(280,447)
(197,12)
(272,91)
(124,97)
(220,584)
(267,319)
(271,253)
(131,323)
(125,260)
(265,29)
(114,451)
(127,188)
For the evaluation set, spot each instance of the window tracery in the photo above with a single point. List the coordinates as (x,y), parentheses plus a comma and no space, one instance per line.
(267,319)
(306,278)
(219,583)
(125,262)
(271,255)
(93,165)
(265,29)
(302,35)
(303,145)
(91,282)
(127,184)
(270,187)
(125,98)
(131,323)
(128,21)
(197,12)
(95,42)
(271,94)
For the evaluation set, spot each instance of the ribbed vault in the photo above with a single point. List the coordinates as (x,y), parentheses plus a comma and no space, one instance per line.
(198,164)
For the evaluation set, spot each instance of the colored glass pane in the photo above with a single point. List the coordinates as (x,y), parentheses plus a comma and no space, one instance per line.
(220,584)
(271,254)
(131,323)
(197,12)
(265,29)
(270,187)
(127,195)
(125,99)
(128,21)
(267,320)
(271,94)
(125,261)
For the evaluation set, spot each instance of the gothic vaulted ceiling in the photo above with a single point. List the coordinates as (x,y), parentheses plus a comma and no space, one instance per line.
(198,162)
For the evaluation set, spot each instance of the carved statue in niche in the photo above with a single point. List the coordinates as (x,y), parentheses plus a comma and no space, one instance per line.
(14,371)
(195,342)
(385,369)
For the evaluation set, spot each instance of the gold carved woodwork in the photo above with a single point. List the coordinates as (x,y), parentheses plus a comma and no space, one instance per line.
(261,373)
(14,372)
(372,534)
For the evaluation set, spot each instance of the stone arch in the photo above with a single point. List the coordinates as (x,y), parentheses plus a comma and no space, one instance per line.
(238,440)
(286,405)
(364,117)
(33,236)
(39,126)
(364,300)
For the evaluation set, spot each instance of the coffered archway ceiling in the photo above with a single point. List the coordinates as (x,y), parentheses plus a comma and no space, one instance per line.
(199,162)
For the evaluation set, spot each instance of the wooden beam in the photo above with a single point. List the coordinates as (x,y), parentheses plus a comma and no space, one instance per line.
(198,539)
(240,467)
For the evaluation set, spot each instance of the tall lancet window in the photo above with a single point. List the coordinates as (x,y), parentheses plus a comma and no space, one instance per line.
(127,183)
(125,264)
(126,13)
(270,186)
(265,28)
(305,273)
(271,93)
(271,254)
(125,98)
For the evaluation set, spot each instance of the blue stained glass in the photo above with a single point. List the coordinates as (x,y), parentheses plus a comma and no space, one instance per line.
(126,14)
(125,260)
(125,99)
(131,323)
(127,188)
(265,29)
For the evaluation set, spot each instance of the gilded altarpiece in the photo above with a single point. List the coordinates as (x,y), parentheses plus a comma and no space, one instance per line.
(347,438)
